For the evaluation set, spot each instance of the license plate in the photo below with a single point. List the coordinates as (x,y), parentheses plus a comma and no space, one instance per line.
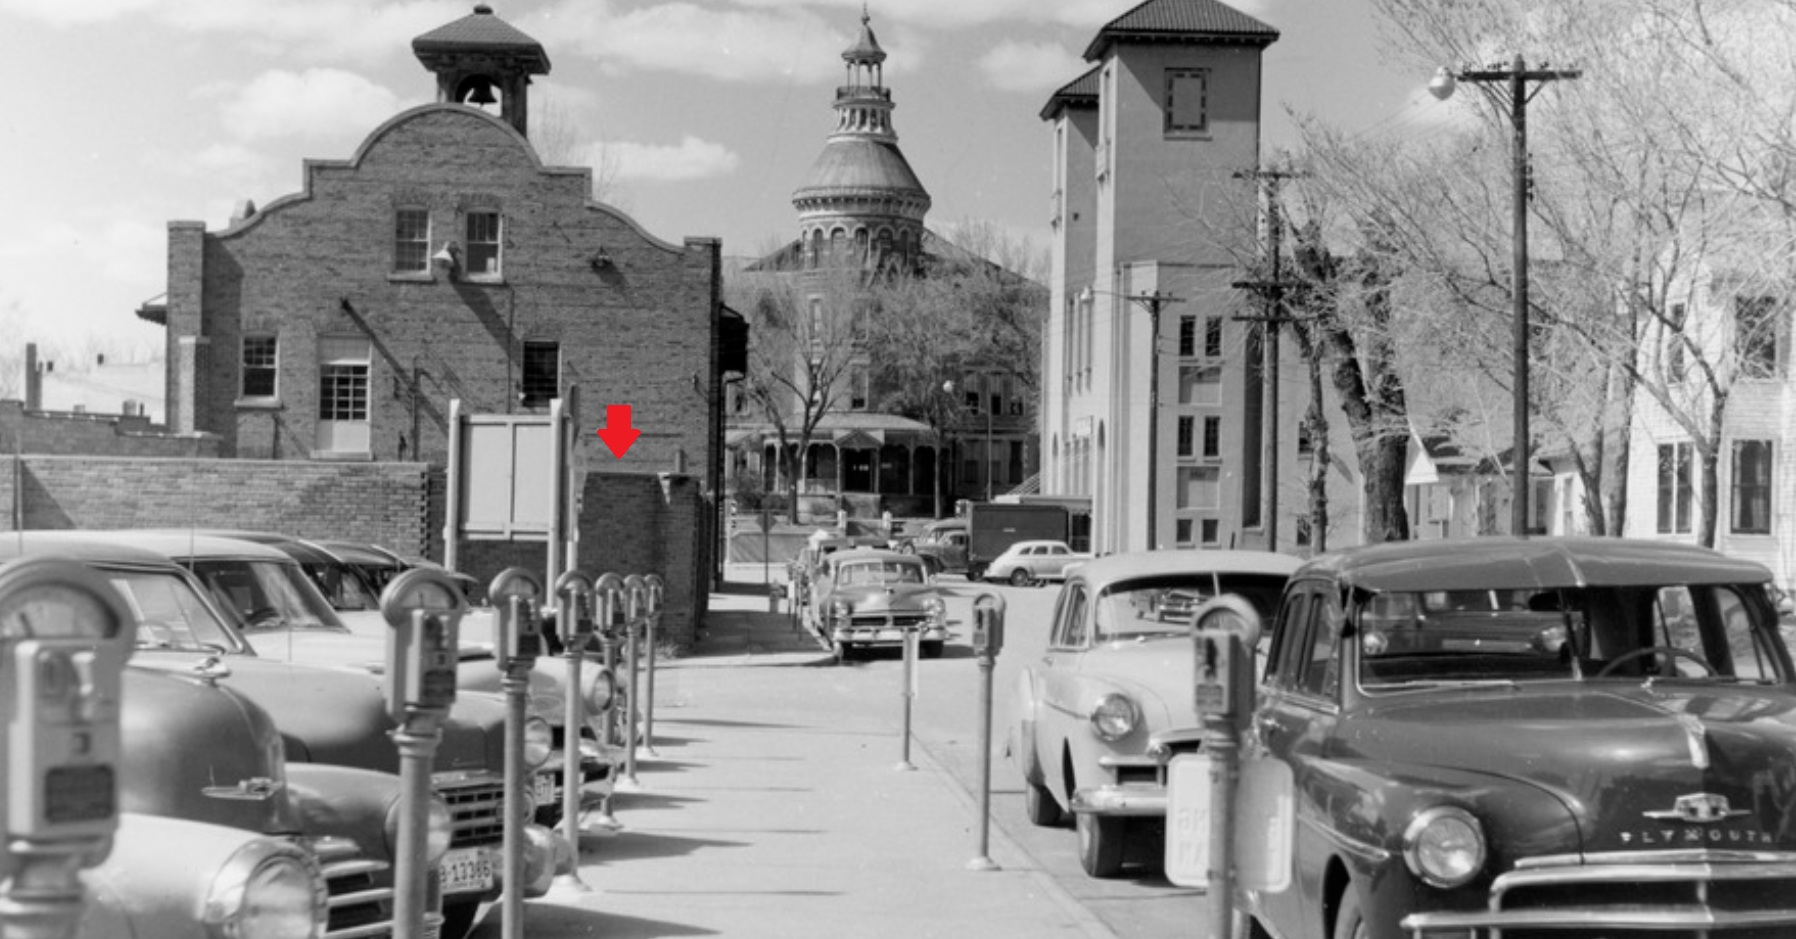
(547,789)
(467,869)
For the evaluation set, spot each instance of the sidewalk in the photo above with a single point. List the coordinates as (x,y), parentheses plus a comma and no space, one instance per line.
(773,806)
(740,631)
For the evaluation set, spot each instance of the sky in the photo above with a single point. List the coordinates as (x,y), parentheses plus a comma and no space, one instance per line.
(129,114)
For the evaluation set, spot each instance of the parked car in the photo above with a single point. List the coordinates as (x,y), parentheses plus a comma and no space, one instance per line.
(1111,699)
(181,630)
(1034,562)
(943,542)
(1559,736)
(356,603)
(865,597)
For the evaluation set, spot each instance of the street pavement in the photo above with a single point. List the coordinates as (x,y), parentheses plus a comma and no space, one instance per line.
(773,804)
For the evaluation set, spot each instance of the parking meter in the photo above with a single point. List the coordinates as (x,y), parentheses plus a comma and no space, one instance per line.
(516,596)
(424,607)
(657,591)
(573,625)
(610,590)
(988,639)
(65,634)
(1226,633)
(635,602)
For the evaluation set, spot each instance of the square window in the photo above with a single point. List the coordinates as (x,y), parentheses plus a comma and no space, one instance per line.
(482,248)
(542,373)
(1212,531)
(260,366)
(1182,529)
(343,392)
(1187,100)
(411,240)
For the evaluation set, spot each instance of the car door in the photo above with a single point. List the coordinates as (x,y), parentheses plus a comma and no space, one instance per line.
(1060,703)
(1055,558)
(1298,705)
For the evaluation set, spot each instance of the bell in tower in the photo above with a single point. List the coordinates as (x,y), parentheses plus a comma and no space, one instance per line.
(482,61)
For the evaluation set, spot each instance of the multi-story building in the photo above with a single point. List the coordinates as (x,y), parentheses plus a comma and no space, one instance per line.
(861,213)
(444,261)
(1155,404)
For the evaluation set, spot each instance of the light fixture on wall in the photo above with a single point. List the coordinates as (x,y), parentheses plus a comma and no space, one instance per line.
(448,260)
(600,260)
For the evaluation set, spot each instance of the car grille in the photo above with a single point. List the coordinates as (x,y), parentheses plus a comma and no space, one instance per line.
(477,810)
(360,888)
(877,620)
(1674,895)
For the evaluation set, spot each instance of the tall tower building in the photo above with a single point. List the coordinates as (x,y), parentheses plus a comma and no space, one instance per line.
(861,192)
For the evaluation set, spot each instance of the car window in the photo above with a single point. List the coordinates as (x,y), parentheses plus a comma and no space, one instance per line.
(1321,675)
(170,615)
(1151,606)
(1070,624)
(266,595)
(1284,658)
(1624,632)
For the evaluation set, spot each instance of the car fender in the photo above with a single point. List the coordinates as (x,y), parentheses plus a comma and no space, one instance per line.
(1022,745)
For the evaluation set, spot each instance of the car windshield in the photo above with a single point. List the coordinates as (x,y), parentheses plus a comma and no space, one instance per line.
(170,614)
(266,595)
(880,572)
(1166,605)
(1703,633)
(344,586)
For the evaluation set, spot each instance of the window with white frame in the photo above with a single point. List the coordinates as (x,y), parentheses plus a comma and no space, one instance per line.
(411,240)
(1675,488)
(260,367)
(1212,437)
(1187,435)
(1752,487)
(1755,335)
(481,251)
(542,374)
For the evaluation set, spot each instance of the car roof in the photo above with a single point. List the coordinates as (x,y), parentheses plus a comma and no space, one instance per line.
(85,546)
(1129,565)
(1496,563)
(1034,543)
(179,544)
(871,554)
(301,550)
(361,553)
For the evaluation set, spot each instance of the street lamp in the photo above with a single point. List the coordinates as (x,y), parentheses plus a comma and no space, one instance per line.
(1516,76)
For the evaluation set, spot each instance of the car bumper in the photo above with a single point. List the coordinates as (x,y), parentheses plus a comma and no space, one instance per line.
(884,635)
(1135,797)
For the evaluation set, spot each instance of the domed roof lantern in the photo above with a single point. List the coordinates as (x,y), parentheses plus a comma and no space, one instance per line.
(866,49)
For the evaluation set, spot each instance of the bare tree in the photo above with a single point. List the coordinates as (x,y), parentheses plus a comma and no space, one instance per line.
(560,140)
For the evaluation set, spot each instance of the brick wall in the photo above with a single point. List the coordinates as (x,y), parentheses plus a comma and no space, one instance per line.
(29,431)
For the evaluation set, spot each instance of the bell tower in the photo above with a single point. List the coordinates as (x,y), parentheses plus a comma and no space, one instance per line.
(482,60)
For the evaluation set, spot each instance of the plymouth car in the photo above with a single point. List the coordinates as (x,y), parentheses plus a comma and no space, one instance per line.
(865,597)
(1111,700)
(1530,737)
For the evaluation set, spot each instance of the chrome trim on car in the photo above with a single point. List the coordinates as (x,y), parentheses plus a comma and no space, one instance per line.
(1128,799)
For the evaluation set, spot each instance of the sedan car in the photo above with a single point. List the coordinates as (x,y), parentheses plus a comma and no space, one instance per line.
(1111,700)
(1538,736)
(862,597)
(1033,562)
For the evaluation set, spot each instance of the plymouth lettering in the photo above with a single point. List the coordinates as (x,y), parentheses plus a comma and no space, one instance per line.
(1692,835)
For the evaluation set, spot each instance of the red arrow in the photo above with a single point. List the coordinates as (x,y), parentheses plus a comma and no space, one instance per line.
(617,432)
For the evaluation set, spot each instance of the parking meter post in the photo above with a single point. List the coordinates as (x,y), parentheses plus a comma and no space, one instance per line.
(423,607)
(65,635)
(635,598)
(610,589)
(573,625)
(908,694)
(516,596)
(656,593)
(988,638)
(1222,691)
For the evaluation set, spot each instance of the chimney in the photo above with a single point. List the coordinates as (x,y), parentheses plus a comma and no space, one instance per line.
(34,385)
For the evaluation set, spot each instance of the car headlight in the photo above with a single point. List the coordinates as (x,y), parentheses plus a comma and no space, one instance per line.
(539,742)
(439,828)
(601,689)
(1444,846)
(267,890)
(839,611)
(937,610)
(1113,717)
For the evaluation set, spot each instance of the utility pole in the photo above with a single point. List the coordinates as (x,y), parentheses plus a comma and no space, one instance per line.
(1516,76)
(1272,291)
(1152,302)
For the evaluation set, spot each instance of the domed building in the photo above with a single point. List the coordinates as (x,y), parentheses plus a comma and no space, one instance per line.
(861,211)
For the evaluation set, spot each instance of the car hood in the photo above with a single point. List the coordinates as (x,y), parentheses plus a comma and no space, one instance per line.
(339,716)
(868,598)
(1155,673)
(1639,767)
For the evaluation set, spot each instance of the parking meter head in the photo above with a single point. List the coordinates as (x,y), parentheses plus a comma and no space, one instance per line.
(574,621)
(65,634)
(988,624)
(424,607)
(1227,628)
(517,597)
(636,600)
(657,590)
(610,589)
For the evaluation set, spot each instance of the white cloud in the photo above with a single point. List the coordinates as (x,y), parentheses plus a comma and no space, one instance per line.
(1038,67)
(728,44)
(320,28)
(957,14)
(315,102)
(692,158)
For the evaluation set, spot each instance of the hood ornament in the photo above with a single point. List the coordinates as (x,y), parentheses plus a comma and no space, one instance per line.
(1698,808)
